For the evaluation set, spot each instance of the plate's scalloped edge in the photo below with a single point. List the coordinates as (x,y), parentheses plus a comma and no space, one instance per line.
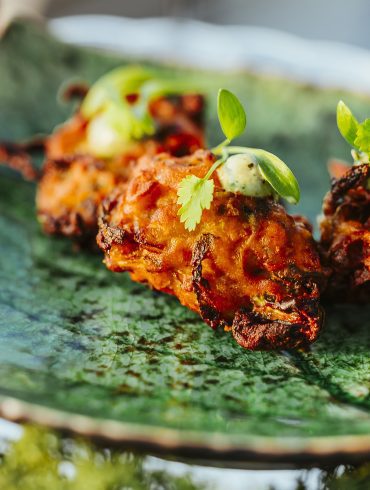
(160,440)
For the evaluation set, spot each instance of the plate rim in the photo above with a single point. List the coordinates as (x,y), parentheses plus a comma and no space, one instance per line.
(186,443)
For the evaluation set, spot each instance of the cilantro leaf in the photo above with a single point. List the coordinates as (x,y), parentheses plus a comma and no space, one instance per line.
(194,195)
(362,140)
(231,114)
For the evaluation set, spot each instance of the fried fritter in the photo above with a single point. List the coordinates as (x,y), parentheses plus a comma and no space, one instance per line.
(248,267)
(17,156)
(74,182)
(345,236)
(69,193)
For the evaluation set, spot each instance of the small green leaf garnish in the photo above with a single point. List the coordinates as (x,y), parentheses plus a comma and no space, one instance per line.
(355,133)
(347,124)
(231,114)
(278,175)
(113,87)
(106,106)
(194,195)
(111,119)
(362,140)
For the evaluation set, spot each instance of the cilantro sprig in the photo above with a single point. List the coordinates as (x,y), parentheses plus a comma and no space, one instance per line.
(195,194)
(355,133)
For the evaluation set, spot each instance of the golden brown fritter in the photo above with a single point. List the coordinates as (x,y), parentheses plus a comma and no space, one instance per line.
(345,236)
(74,183)
(248,266)
(17,156)
(69,194)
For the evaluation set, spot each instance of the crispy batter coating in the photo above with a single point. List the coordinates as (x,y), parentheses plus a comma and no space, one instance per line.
(248,267)
(18,157)
(345,236)
(74,183)
(69,194)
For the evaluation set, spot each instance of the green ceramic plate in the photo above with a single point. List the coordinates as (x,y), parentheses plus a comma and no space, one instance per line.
(87,350)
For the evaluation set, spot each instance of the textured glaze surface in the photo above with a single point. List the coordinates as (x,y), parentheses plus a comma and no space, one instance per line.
(76,337)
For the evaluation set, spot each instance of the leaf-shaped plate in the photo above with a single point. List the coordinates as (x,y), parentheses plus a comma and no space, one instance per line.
(90,351)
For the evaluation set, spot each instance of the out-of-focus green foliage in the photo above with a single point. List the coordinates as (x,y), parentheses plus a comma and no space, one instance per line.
(41,460)
(347,478)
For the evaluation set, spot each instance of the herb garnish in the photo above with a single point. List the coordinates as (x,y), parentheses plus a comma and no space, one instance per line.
(355,133)
(196,194)
(113,120)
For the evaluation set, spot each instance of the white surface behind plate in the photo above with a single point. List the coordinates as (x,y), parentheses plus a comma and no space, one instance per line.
(222,47)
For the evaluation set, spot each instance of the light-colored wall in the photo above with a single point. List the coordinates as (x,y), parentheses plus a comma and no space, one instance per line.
(340,20)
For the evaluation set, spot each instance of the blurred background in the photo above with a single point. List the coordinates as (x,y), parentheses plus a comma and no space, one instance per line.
(313,41)
(312,19)
(337,20)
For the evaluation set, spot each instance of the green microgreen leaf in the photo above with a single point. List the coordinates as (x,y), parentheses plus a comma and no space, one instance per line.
(278,175)
(274,170)
(362,140)
(231,115)
(194,195)
(159,87)
(113,87)
(347,124)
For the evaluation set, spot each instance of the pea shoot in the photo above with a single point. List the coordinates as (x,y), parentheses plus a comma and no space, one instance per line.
(355,133)
(267,174)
